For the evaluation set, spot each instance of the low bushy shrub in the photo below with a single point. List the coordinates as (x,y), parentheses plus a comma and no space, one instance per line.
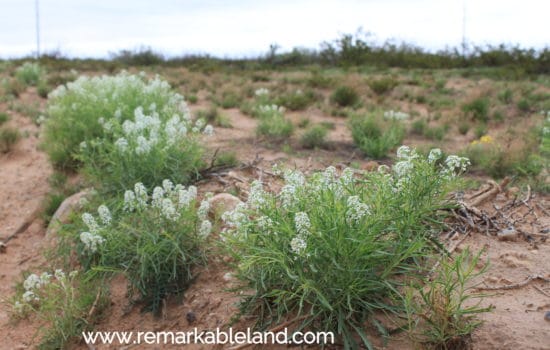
(273,123)
(153,238)
(314,137)
(345,96)
(374,135)
(334,249)
(30,73)
(382,86)
(75,110)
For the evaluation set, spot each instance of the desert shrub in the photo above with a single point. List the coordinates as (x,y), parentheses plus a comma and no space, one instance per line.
(419,126)
(382,86)
(334,249)
(153,238)
(296,101)
(345,96)
(488,156)
(478,109)
(436,132)
(226,159)
(75,110)
(440,310)
(8,138)
(230,100)
(524,105)
(314,137)
(463,128)
(144,149)
(506,96)
(375,136)
(273,123)
(4,117)
(319,80)
(63,301)
(43,89)
(29,73)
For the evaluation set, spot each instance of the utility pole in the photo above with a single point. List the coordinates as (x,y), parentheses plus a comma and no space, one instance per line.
(464,47)
(37,29)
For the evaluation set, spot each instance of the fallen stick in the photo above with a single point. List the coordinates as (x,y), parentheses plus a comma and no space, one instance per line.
(491,193)
(517,285)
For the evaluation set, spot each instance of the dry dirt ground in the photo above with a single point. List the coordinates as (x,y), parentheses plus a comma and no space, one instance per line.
(517,321)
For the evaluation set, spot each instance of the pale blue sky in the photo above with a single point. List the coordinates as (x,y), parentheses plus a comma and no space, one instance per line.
(93,28)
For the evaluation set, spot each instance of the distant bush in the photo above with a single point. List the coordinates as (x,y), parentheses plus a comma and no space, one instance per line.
(345,96)
(4,117)
(296,101)
(375,136)
(273,123)
(140,57)
(314,137)
(8,138)
(478,109)
(383,85)
(30,73)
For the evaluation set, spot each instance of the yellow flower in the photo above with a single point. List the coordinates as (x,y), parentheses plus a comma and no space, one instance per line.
(486,139)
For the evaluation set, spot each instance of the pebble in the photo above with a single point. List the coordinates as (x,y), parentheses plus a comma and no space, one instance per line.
(508,234)
(190,317)
(547,315)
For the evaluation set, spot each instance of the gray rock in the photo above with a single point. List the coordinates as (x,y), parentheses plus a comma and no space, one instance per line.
(222,202)
(62,213)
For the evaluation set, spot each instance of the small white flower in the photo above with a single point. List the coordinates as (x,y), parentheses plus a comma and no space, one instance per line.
(158,195)
(18,307)
(32,282)
(30,297)
(129,201)
(434,155)
(298,245)
(168,210)
(89,221)
(256,197)
(261,92)
(265,223)
(104,214)
(205,229)
(143,145)
(402,169)
(121,144)
(59,274)
(167,185)
(91,241)
(356,210)
(141,195)
(302,223)
(83,145)
(202,212)
(454,162)
(208,130)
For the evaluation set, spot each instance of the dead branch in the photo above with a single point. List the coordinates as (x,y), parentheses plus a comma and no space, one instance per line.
(517,285)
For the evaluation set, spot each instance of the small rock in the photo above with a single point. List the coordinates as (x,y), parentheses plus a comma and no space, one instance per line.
(547,315)
(222,202)
(508,234)
(190,317)
(228,277)
(62,213)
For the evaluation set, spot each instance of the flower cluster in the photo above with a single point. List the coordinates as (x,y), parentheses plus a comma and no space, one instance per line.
(269,111)
(168,201)
(92,239)
(395,115)
(33,285)
(356,210)
(261,92)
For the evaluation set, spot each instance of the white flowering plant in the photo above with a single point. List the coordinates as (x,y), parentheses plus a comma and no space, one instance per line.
(146,148)
(334,248)
(63,301)
(154,237)
(75,110)
(273,123)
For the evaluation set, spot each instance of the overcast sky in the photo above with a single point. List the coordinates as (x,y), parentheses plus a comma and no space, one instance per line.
(93,28)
